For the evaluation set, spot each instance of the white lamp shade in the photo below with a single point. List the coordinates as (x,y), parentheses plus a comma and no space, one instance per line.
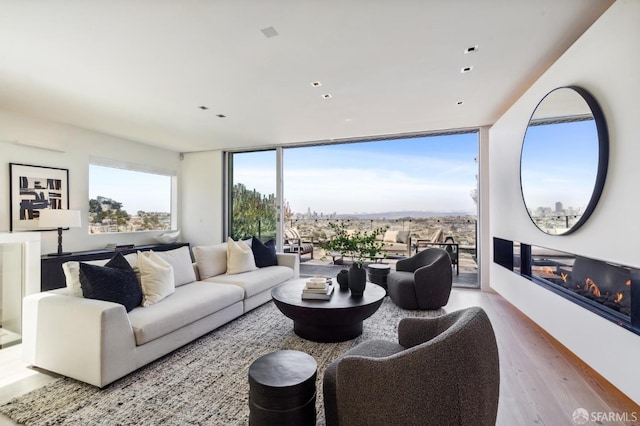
(56,218)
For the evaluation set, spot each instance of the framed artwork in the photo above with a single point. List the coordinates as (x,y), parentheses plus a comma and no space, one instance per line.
(33,188)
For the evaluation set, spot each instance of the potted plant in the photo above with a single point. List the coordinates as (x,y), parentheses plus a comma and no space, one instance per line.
(361,246)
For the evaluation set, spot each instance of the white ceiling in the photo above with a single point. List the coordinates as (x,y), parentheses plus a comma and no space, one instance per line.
(141,69)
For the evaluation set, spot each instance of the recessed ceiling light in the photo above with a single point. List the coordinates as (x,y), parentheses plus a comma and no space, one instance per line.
(316,84)
(269,32)
(471,49)
(466,69)
(202,107)
(326,96)
(221,116)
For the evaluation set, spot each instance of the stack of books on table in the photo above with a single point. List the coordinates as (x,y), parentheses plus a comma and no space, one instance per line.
(114,246)
(318,288)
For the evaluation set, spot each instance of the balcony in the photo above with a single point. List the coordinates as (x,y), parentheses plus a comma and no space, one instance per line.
(433,230)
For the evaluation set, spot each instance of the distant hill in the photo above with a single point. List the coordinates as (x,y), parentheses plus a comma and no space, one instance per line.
(400,215)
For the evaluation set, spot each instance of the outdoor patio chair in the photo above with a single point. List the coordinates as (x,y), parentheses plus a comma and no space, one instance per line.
(296,243)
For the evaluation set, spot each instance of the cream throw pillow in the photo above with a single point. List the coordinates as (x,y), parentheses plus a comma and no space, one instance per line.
(239,257)
(72,275)
(390,236)
(211,260)
(156,277)
(180,259)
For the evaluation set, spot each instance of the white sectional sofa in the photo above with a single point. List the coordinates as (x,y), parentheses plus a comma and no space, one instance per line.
(98,342)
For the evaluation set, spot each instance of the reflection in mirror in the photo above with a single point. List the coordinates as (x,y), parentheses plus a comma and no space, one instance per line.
(564,160)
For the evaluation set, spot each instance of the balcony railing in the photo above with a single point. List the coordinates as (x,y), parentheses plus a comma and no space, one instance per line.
(463,229)
(556,223)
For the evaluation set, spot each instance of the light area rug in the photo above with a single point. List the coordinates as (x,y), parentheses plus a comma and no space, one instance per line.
(202,383)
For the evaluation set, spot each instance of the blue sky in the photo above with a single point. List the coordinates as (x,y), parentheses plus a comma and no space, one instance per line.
(432,173)
(559,163)
(135,190)
(435,173)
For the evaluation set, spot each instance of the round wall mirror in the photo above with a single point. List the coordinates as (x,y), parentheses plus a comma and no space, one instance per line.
(564,160)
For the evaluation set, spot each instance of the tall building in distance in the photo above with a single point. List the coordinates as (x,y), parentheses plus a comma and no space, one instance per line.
(559,206)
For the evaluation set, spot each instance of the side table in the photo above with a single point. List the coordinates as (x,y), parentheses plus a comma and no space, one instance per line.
(378,273)
(282,389)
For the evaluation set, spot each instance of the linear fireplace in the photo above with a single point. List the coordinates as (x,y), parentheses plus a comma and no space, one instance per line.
(609,290)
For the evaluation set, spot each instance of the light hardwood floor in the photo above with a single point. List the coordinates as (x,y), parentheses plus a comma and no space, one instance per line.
(542,383)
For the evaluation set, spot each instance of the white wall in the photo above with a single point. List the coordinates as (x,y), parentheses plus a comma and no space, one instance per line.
(19,276)
(75,146)
(202,197)
(484,203)
(604,61)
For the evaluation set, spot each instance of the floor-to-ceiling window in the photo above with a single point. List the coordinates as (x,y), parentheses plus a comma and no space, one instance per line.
(252,206)
(424,184)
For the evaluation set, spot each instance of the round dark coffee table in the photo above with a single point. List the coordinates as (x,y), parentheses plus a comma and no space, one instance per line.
(334,320)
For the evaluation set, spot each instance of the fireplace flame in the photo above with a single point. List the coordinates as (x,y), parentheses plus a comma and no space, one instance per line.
(547,270)
(618,297)
(591,286)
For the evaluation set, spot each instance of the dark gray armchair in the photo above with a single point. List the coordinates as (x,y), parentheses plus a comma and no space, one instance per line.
(422,281)
(442,371)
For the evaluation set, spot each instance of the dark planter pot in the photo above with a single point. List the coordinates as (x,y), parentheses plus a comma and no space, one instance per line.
(357,280)
(343,279)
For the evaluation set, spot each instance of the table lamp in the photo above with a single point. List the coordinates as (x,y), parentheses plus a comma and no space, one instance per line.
(56,218)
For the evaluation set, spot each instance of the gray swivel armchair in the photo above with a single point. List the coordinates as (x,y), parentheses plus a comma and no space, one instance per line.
(442,371)
(422,281)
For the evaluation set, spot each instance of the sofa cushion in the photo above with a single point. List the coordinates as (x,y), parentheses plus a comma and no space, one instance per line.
(211,260)
(71,271)
(264,253)
(156,277)
(292,233)
(113,282)
(390,236)
(180,259)
(255,282)
(403,237)
(239,257)
(190,303)
(395,247)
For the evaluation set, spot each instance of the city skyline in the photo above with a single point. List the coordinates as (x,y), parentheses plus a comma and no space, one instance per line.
(559,163)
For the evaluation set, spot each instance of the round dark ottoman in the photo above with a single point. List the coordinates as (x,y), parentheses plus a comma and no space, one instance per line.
(282,389)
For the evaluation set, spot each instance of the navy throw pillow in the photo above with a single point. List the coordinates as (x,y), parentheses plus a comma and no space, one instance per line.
(113,282)
(264,253)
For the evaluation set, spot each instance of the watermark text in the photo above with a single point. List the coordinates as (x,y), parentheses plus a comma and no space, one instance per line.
(581,416)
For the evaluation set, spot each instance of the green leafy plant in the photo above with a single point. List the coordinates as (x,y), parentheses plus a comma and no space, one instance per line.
(357,244)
